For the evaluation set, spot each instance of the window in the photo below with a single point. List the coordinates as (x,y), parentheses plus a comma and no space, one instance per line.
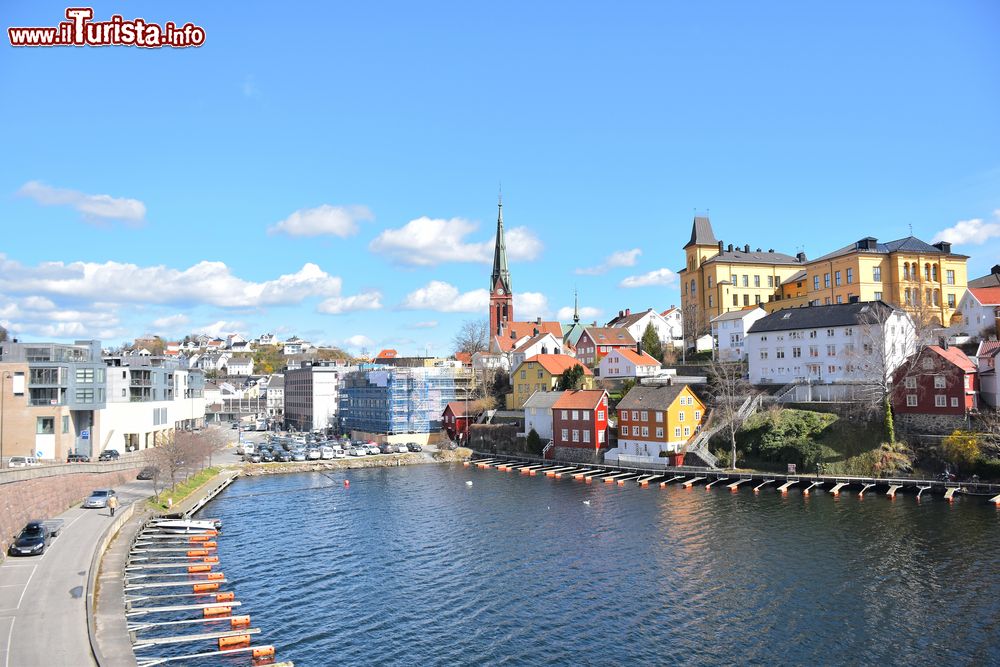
(644,415)
(45,425)
(951,300)
(831,350)
(836,278)
(746,299)
(524,375)
(585,415)
(710,282)
(576,415)
(840,299)
(677,431)
(746,280)
(826,280)
(659,432)
(635,415)
(756,281)
(927,271)
(796,352)
(911,400)
(680,416)
(949,277)
(850,276)
(658,416)
(564,414)
(586,436)
(813,350)
(600,415)
(645,431)
(733,281)
(84,375)
(934,273)
(541,374)
(939,382)
(877,274)
(85,395)
(770,281)
(65,424)
(624,430)
(906,270)
(576,435)
(697,415)
(940,401)
(779,353)
(910,383)
(813,333)
(816,282)
(710,300)
(878,296)
(736,299)
(954,402)
(763,354)
(687,430)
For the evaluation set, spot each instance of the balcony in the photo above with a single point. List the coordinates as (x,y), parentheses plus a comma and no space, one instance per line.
(140,382)
(45,401)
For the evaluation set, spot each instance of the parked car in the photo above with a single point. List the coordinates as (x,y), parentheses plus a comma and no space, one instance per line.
(77,458)
(355,451)
(298,455)
(313,454)
(282,456)
(98,499)
(252,457)
(234,426)
(401,448)
(35,537)
(326,452)
(385,448)
(414,447)
(339,453)
(266,457)
(21,461)
(109,455)
(149,472)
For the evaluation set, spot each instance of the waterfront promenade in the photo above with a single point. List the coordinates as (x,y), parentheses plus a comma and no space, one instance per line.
(43,613)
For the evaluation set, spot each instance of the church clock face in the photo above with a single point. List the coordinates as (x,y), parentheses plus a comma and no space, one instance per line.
(500,291)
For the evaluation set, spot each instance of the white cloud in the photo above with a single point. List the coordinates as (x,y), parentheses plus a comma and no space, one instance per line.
(975,231)
(430,241)
(358,341)
(614,260)
(659,277)
(586,313)
(323,220)
(221,328)
(343,304)
(444,297)
(428,324)
(206,282)
(40,317)
(93,208)
(529,306)
(38,303)
(171,322)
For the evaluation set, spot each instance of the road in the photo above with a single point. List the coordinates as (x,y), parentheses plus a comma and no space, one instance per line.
(43,615)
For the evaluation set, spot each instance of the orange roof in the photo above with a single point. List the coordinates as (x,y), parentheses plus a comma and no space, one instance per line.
(514,331)
(464,357)
(557,364)
(580,398)
(387,354)
(955,356)
(988,296)
(643,359)
(609,335)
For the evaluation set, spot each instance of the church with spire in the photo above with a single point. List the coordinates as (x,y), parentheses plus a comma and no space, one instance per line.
(506,333)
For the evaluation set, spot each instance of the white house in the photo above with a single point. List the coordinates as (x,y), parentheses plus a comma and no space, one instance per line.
(675,321)
(538,413)
(987,360)
(294,345)
(212,361)
(625,362)
(239,366)
(636,324)
(978,311)
(729,330)
(543,343)
(851,342)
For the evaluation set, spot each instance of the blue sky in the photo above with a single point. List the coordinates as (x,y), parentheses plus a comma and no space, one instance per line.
(796,125)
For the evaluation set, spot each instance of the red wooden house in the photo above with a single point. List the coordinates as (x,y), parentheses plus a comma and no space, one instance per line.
(596,342)
(941,380)
(580,419)
(455,419)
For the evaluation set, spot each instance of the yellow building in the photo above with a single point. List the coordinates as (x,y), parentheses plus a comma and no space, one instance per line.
(718,278)
(541,373)
(927,280)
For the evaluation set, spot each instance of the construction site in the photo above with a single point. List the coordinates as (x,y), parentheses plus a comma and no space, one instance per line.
(401,404)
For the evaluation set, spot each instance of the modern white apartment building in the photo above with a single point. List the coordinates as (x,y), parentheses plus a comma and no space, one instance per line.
(851,342)
(312,395)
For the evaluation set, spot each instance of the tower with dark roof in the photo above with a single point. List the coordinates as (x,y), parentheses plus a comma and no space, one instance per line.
(501,299)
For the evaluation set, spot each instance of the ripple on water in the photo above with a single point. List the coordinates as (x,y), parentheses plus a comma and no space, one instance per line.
(412,566)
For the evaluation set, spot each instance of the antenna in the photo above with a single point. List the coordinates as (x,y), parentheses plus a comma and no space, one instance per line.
(500,192)
(911,228)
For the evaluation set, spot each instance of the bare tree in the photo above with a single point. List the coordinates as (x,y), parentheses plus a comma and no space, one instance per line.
(730,390)
(473,336)
(170,457)
(696,324)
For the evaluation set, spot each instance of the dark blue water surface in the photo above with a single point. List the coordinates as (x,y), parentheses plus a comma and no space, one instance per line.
(412,566)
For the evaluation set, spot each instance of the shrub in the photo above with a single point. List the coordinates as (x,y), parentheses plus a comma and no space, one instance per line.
(961,448)
(534,443)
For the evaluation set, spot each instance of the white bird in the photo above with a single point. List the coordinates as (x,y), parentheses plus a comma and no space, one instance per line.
(469,483)
(586,502)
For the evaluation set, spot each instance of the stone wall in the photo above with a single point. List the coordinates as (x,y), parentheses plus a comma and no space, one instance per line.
(495,438)
(47,497)
(916,424)
(579,454)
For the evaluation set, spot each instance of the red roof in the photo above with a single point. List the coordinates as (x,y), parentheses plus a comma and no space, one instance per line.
(588,399)
(464,357)
(515,331)
(557,364)
(955,356)
(458,408)
(988,347)
(387,354)
(988,296)
(643,359)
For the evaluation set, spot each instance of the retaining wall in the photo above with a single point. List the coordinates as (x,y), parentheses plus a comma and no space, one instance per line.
(918,424)
(48,496)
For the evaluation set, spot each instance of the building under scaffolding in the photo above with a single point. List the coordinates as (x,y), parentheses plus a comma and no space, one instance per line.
(396,400)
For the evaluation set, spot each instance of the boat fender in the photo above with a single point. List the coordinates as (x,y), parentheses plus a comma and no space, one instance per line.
(234,642)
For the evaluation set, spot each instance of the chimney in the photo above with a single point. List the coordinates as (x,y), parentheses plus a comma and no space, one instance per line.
(995,270)
(758,249)
(800,257)
(638,348)
(746,248)
(730,247)
(771,250)
(538,320)
(534,331)
(943,246)
(628,311)
(720,246)
(621,313)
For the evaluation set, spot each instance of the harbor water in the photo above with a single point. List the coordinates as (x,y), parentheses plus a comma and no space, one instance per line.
(415,566)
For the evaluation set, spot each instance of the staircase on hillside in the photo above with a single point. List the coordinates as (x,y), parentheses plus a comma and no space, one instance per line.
(699,445)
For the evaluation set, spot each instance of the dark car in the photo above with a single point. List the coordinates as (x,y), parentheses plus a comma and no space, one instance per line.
(253,458)
(414,447)
(109,455)
(234,426)
(77,458)
(266,457)
(386,448)
(149,472)
(282,456)
(32,540)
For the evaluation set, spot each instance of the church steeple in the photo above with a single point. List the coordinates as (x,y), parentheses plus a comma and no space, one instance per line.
(576,307)
(500,271)
(501,300)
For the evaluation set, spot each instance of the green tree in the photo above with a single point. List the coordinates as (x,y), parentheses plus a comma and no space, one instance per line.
(572,378)
(888,424)
(961,448)
(651,343)
(268,359)
(534,442)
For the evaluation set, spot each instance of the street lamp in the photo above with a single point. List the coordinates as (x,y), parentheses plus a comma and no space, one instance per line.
(3,415)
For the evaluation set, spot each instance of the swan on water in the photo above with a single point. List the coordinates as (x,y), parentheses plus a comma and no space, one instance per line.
(469,483)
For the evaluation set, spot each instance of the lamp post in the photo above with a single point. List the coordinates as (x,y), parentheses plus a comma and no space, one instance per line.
(3,415)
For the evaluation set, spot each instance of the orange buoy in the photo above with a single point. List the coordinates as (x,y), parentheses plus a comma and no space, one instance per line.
(217,611)
(347,483)
(197,552)
(208,545)
(235,641)
(228,596)
(202,588)
(239,621)
(199,538)
(210,559)
(263,652)
(215,575)
(199,568)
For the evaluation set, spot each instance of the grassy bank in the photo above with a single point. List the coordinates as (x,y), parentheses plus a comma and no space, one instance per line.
(441,456)
(183,489)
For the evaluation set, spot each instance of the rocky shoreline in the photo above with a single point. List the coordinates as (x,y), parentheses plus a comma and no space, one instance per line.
(388,461)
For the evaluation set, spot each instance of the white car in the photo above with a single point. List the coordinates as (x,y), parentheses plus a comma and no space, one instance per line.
(326,452)
(372,448)
(339,453)
(356,451)
(401,449)
(314,455)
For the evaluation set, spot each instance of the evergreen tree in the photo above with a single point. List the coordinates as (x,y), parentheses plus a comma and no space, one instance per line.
(651,344)
(572,378)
